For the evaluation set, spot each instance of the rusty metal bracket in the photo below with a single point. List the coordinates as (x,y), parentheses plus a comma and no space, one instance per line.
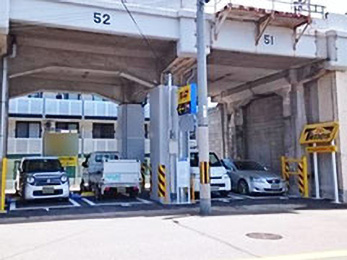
(262,24)
(297,36)
(219,22)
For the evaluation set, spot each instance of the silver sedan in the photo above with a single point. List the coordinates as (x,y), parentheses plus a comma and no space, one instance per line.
(249,177)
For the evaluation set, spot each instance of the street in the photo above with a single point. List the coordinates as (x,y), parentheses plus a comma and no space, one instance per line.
(186,236)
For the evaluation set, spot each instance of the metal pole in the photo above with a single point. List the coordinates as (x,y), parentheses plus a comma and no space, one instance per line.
(203,146)
(336,185)
(4,109)
(316,175)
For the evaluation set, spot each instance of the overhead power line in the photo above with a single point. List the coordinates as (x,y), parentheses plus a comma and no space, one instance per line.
(146,40)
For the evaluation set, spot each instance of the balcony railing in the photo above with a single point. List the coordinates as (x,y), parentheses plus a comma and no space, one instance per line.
(61,107)
(26,106)
(91,145)
(19,146)
(24,145)
(100,109)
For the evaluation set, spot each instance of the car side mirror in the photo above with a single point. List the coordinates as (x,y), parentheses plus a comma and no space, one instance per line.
(85,164)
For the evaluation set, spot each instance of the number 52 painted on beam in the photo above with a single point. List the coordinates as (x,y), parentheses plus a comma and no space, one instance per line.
(102,18)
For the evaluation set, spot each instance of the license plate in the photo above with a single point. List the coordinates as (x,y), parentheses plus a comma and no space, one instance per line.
(275,186)
(47,190)
(113,177)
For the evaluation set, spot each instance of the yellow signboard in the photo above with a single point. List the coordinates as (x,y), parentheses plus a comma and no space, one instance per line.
(319,133)
(184,95)
(68,161)
(322,149)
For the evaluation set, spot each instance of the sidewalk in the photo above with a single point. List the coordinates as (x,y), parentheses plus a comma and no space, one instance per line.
(180,237)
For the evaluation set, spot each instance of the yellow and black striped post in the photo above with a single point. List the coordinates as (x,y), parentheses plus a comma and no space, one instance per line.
(143,175)
(204,172)
(161,181)
(285,169)
(302,177)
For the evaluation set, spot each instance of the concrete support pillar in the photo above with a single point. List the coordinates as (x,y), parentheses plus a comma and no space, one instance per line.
(239,138)
(327,111)
(299,119)
(341,93)
(289,149)
(130,131)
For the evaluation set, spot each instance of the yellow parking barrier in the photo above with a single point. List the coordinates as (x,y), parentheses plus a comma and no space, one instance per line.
(161,181)
(143,175)
(296,167)
(3,185)
(192,191)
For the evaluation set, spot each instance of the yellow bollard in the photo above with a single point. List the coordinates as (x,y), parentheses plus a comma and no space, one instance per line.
(3,185)
(305,174)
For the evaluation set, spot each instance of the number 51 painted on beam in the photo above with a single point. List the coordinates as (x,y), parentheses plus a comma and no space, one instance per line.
(102,18)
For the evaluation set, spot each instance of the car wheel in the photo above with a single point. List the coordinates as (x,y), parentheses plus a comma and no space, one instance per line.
(242,187)
(97,192)
(82,188)
(133,193)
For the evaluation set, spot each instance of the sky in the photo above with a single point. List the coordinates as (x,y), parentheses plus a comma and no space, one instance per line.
(333,6)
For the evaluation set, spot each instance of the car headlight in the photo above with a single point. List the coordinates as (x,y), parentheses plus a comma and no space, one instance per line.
(63,178)
(30,180)
(255,179)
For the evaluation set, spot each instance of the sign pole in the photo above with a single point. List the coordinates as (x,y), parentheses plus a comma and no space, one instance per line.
(336,186)
(316,175)
(203,146)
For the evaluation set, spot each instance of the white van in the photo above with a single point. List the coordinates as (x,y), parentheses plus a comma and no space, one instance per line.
(219,178)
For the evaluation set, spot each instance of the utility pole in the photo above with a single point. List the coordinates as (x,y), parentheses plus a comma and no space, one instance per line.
(203,145)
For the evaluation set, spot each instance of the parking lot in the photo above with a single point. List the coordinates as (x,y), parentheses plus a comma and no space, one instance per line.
(123,206)
(86,201)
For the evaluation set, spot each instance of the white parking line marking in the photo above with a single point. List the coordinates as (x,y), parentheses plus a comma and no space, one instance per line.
(236,197)
(91,203)
(144,201)
(75,203)
(13,205)
(123,204)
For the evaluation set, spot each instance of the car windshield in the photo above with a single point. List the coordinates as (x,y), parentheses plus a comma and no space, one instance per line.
(227,164)
(214,161)
(106,157)
(42,165)
(248,165)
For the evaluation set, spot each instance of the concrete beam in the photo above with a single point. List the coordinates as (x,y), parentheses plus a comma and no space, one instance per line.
(293,76)
(29,58)
(25,85)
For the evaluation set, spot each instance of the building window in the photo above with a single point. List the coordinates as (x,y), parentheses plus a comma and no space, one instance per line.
(103,131)
(28,130)
(69,96)
(66,126)
(35,95)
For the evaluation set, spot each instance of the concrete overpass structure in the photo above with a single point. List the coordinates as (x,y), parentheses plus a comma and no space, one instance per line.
(293,64)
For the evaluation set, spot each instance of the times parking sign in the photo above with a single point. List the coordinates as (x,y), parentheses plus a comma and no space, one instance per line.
(186,96)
